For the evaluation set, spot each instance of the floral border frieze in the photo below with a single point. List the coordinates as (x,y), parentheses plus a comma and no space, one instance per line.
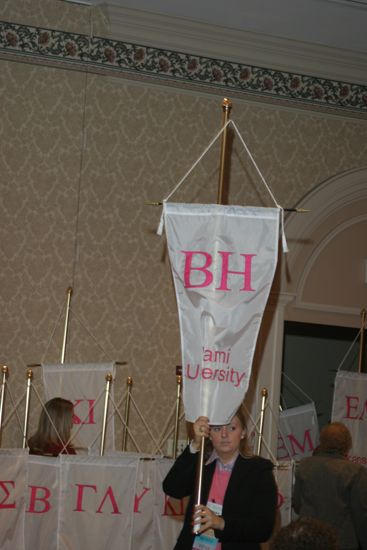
(120,56)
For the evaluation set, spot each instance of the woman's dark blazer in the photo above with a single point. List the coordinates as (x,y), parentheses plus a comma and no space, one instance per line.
(249,503)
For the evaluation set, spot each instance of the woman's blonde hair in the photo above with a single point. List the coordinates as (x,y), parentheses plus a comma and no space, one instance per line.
(60,411)
(244,447)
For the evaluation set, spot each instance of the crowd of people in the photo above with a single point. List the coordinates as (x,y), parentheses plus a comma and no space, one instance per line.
(238,504)
(239,495)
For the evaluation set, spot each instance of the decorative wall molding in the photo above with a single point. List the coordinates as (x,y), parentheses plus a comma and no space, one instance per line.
(181,69)
(240,46)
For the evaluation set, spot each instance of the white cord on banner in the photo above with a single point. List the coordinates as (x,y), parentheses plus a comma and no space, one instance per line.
(257,431)
(15,408)
(281,433)
(144,422)
(230,121)
(349,350)
(298,387)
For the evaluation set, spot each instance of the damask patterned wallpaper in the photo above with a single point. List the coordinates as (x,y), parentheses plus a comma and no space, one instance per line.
(80,154)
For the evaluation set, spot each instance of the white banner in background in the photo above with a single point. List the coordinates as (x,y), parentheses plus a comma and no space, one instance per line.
(350,407)
(298,434)
(97,495)
(13,487)
(223,260)
(83,384)
(283,474)
(41,519)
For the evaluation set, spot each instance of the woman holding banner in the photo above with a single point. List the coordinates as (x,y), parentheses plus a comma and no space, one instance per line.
(239,493)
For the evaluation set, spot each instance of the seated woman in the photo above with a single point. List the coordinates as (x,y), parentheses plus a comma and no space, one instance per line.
(54,429)
(239,494)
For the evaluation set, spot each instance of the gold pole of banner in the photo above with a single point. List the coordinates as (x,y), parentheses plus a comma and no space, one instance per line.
(178,402)
(66,325)
(129,384)
(105,412)
(4,371)
(361,340)
(226,107)
(29,376)
(264,396)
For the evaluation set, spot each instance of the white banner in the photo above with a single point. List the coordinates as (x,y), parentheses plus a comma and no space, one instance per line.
(41,519)
(223,260)
(13,485)
(154,512)
(298,434)
(84,385)
(113,502)
(350,407)
(97,495)
(284,473)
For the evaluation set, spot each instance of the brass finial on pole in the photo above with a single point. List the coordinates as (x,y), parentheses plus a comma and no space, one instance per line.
(178,402)
(29,376)
(4,371)
(264,396)
(66,325)
(361,340)
(226,108)
(129,384)
(105,412)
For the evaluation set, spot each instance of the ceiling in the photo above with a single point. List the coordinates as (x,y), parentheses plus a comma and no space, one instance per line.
(333,23)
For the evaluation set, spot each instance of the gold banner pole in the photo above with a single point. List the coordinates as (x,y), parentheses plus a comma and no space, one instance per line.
(226,107)
(361,341)
(129,384)
(264,396)
(29,376)
(105,412)
(4,370)
(66,326)
(178,403)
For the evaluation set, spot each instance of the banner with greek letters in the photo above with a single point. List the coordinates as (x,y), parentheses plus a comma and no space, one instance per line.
(41,519)
(350,407)
(84,385)
(97,495)
(284,473)
(154,512)
(13,487)
(223,260)
(298,434)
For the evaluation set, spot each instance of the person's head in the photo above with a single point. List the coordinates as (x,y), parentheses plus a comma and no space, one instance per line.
(229,439)
(306,534)
(335,437)
(55,422)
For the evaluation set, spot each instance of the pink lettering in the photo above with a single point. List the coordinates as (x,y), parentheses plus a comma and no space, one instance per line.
(208,276)
(3,504)
(353,405)
(86,419)
(111,496)
(206,374)
(302,447)
(246,273)
(137,500)
(170,510)
(43,499)
(280,500)
(80,495)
